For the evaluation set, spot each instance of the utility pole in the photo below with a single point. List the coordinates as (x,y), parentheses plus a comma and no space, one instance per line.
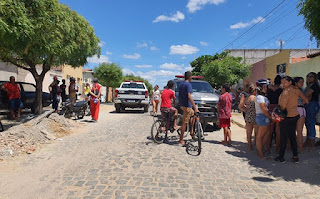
(309,47)
(280,45)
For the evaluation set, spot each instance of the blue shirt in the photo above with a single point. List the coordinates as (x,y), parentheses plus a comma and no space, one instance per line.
(184,89)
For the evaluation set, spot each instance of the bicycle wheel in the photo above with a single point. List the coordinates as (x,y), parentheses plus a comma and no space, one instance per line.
(199,134)
(158,131)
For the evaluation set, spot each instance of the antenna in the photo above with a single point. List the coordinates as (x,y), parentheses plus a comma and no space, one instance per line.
(281,44)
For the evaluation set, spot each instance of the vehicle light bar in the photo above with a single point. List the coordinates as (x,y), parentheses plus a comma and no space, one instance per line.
(132,81)
(193,77)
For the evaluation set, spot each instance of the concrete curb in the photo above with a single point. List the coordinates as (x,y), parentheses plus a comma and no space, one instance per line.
(39,118)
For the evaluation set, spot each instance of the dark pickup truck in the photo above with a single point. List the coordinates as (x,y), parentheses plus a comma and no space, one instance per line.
(28,92)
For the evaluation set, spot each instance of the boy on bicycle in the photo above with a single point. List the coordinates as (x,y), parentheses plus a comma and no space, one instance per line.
(186,103)
(167,95)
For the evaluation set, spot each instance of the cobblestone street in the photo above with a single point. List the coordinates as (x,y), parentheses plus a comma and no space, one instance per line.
(115,158)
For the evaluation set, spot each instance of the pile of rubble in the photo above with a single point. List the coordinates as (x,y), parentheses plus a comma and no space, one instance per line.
(28,137)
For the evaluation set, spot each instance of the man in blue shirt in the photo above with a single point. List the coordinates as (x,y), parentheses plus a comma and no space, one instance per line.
(186,103)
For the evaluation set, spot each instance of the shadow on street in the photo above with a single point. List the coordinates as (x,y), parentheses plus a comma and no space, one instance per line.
(308,170)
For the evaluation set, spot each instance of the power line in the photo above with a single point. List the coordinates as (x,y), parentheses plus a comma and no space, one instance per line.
(253,25)
(268,25)
(293,36)
(279,34)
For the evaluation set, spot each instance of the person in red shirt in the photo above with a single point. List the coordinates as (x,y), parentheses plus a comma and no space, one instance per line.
(224,110)
(13,92)
(166,96)
(95,100)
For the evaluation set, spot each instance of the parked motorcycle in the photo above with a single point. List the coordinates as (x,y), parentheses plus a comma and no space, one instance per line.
(77,110)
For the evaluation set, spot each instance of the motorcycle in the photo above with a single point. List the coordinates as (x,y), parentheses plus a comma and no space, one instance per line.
(77,110)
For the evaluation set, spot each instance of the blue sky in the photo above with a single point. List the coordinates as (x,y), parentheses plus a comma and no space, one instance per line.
(157,39)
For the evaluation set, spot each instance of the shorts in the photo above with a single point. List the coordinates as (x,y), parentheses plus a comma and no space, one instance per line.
(262,120)
(187,113)
(170,110)
(15,104)
(224,122)
(302,111)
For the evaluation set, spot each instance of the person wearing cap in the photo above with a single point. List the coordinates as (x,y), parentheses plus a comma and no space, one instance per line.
(73,90)
(13,92)
(95,93)
(54,92)
(262,118)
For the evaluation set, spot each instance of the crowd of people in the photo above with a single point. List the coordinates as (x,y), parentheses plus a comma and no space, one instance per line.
(273,111)
(91,94)
(286,98)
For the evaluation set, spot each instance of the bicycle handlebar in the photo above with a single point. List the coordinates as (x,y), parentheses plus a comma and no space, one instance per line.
(197,114)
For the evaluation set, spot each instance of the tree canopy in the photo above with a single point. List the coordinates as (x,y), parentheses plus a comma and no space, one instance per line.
(109,75)
(204,59)
(310,9)
(138,78)
(220,69)
(44,32)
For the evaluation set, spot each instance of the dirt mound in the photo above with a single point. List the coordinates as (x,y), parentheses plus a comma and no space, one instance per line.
(26,138)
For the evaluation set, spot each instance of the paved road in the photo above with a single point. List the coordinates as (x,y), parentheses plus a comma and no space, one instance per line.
(115,158)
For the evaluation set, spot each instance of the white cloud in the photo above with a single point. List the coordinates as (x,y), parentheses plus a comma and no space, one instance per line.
(134,56)
(188,68)
(179,16)
(96,60)
(109,53)
(184,58)
(160,77)
(202,43)
(153,48)
(142,45)
(246,24)
(126,71)
(184,49)
(143,66)
(171,66)
(101,43)
(195,5)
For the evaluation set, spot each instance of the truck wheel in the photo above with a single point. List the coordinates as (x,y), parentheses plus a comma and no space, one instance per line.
(216,126)
(146,108)
(122,108)
(33,110)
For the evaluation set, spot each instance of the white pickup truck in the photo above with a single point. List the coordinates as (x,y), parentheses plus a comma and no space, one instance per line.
(131,94)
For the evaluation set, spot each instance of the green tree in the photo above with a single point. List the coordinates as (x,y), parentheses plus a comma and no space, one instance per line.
(224,69)
(46,33)
(138,78)
(109,75)
(200,61)
(310,10)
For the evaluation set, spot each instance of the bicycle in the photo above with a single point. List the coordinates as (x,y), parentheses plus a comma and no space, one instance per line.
(198,135)
(162,125)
